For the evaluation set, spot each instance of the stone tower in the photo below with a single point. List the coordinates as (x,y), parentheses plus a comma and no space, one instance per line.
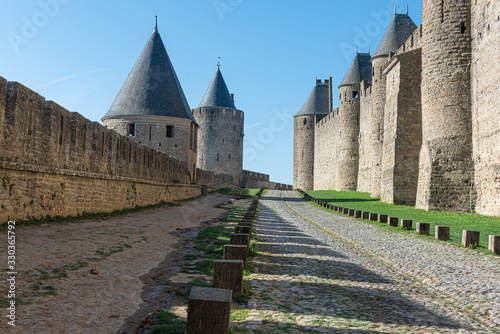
(446,168)
(400,28)
(317,105)
(220,143)
(151,107)
(349,113)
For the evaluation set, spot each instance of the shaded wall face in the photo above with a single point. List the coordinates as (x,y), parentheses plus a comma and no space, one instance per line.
(303,152)
(220,140)
(446,167)
(486,104)
(402,130)
(326,152)
(377,124)
(365,136)
(348,146)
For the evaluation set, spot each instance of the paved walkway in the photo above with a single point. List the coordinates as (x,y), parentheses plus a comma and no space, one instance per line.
(321,272)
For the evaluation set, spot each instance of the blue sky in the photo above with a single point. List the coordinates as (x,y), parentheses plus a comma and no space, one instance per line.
(78,53)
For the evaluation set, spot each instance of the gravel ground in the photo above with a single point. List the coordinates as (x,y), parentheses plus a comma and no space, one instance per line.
(321,272)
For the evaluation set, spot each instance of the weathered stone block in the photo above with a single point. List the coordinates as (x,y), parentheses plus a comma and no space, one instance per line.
(442,232)
(228,274)
(393,221)
(406,224)
(423,228)
(494,244)
(209,311)
(235,252)
(470,238)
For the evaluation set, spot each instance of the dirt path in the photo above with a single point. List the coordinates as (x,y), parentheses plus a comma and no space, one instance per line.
(54,261)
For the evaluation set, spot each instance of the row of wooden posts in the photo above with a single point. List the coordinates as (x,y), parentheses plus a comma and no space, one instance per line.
(209,309)
(469,238)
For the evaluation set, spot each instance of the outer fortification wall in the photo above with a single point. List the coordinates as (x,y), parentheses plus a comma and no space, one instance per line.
(486,104)
(56,162)
(365,138)
(325,152)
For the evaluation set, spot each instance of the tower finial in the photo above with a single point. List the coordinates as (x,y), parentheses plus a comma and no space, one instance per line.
(394,7)
(406,9)
(218,63)
(156,21)
(356,49)
(368,49)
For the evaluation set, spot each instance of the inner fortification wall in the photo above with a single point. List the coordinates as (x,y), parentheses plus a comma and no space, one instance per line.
(326,152)
(486,104)
(365,138)
(56,162)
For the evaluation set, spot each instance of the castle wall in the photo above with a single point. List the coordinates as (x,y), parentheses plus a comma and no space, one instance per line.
(254,180)
(326,152)
(446,170)
(365,138)
(348,145)
(303,152)
(486,104)
(402,129)
(220,141)
(55,162)
(377,123)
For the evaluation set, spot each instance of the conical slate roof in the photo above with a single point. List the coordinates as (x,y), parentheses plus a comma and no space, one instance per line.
(359,70)
(217,94)
(317,102)
(152,87)
(399,30)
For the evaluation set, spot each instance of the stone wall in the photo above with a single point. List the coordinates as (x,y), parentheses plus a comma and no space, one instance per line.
(364,140)
(254,180)
(486,104)
(446,170)
(56,162)
(348,145)
(220,141)
(326,152)
(303,152)
(402,129)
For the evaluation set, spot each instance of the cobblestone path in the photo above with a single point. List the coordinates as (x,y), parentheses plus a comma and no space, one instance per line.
(321,272)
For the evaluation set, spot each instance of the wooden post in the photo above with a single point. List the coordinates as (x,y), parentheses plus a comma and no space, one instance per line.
(374,217)
(240,239)
(423,228)
(204,190)
(243,230)
(358,213)
(228,274)
(235,252)
(494,244)
(382,218)
(406,224)
(351,212)
(366,215)
(346,211)
(470,238)
(442,233)
(209,311)
(393,221)
(340,209)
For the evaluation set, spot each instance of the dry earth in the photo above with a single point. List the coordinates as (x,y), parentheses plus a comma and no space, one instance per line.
(129,252)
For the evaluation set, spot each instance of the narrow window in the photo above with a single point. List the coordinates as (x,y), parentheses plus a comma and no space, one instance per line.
(195,138)
(234,128)
(149,133)
(412,40)
(131,129)
(229,157)
(463,28)
(217,156)
(62,130)
(84,140)
(374,71)
(305,121)
(170,131)
(238,142)
(442,11)
(222,141)
(355,94)
(102,146)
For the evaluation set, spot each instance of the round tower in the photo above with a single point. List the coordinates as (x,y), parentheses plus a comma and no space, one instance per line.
(400,28)
(220,141)
(446,166)
(348,119)
(317,105)
(151,108)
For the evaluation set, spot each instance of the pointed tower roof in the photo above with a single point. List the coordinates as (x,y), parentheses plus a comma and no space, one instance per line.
(217,94)
(152,87)
(359,70)
(400,28)
(317,102)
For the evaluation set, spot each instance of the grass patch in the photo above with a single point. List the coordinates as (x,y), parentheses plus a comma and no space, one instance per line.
(241,192)
(243,297)
(457,221)
(168,323)
(240,314)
